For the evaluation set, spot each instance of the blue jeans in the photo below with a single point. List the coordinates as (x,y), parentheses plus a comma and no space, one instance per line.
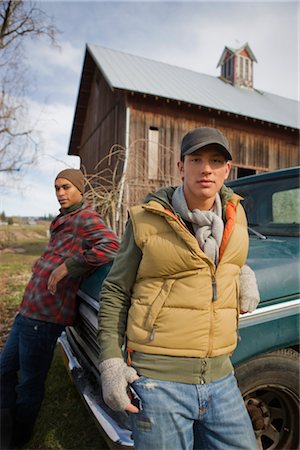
(24,365)
(179,416)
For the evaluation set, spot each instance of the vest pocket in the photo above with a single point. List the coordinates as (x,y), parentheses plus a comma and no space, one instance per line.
(142,315)
(157,305)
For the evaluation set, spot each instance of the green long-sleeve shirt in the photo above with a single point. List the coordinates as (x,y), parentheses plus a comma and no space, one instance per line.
(115,303)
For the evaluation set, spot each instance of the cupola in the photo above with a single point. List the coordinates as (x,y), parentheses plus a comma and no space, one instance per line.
(237,66)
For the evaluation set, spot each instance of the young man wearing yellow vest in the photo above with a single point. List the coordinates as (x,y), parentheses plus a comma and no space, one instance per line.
(175,291)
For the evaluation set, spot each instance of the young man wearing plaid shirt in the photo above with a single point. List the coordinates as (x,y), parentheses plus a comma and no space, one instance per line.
(79,242)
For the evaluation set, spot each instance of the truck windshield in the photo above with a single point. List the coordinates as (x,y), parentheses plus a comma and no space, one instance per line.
(272,207)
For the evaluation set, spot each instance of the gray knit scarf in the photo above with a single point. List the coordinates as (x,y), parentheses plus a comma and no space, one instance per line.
(208,225)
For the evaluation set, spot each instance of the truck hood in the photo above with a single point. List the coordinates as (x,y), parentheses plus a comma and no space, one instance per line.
(275,261)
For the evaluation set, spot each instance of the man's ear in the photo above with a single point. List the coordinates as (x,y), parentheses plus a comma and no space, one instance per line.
(228,167)
(180,169)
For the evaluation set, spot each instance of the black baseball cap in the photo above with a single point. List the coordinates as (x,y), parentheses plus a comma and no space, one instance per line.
(201,137)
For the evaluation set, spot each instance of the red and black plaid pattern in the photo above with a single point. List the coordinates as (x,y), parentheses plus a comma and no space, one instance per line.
(81,235)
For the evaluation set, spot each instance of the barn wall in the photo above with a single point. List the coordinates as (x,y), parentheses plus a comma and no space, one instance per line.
(104,124)
(254,145)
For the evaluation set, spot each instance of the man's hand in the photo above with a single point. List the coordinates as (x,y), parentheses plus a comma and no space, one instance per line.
(58,274)
(115,378)
(249,293)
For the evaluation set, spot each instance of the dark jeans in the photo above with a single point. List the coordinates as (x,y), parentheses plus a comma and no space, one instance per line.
(24,365)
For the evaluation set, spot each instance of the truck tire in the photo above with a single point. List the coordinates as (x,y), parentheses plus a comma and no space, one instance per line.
(269,384)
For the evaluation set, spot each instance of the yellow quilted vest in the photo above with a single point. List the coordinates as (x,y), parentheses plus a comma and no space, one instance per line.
(182,305)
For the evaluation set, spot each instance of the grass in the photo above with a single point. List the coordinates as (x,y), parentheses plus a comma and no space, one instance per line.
(64,422)
(15,271)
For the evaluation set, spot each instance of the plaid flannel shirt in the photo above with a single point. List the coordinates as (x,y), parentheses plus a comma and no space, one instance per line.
(82,236)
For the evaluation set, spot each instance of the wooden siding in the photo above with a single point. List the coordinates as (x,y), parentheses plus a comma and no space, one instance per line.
(104,123)
(254,145)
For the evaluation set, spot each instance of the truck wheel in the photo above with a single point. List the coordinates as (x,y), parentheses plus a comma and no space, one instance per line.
(270,387)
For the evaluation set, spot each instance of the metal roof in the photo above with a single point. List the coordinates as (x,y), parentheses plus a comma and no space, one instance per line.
(138,74)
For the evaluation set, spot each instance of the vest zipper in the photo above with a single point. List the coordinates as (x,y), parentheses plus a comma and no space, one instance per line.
(152,335)
(214,298)
(214,288)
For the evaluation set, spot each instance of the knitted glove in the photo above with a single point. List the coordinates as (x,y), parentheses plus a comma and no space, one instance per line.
(249,294)
(115,377)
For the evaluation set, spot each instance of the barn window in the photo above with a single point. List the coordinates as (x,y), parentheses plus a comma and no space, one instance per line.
(247,69)
(245,171)
(229,68)
(153,153)
(244,68)
(241,63)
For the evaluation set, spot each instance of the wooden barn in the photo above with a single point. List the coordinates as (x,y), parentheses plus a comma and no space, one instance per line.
(144,107)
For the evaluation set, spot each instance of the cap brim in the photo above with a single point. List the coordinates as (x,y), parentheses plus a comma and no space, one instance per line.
(204,144)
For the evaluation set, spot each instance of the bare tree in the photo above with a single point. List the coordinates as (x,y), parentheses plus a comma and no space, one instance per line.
(104,186)
(119,181)
(19,21)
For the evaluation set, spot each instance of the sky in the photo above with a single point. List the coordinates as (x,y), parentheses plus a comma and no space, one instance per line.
(186,34)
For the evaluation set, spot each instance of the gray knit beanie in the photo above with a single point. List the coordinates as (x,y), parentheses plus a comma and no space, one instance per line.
(75,176)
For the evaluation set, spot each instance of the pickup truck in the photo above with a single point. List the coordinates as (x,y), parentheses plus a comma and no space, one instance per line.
(266,359)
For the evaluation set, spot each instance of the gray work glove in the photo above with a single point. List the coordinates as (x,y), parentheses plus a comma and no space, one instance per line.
(115,377)
(249,294)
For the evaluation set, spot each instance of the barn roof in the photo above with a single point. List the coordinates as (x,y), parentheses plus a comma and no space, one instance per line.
(138,74)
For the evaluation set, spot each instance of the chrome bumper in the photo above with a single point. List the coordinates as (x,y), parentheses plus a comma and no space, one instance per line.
(121,437)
